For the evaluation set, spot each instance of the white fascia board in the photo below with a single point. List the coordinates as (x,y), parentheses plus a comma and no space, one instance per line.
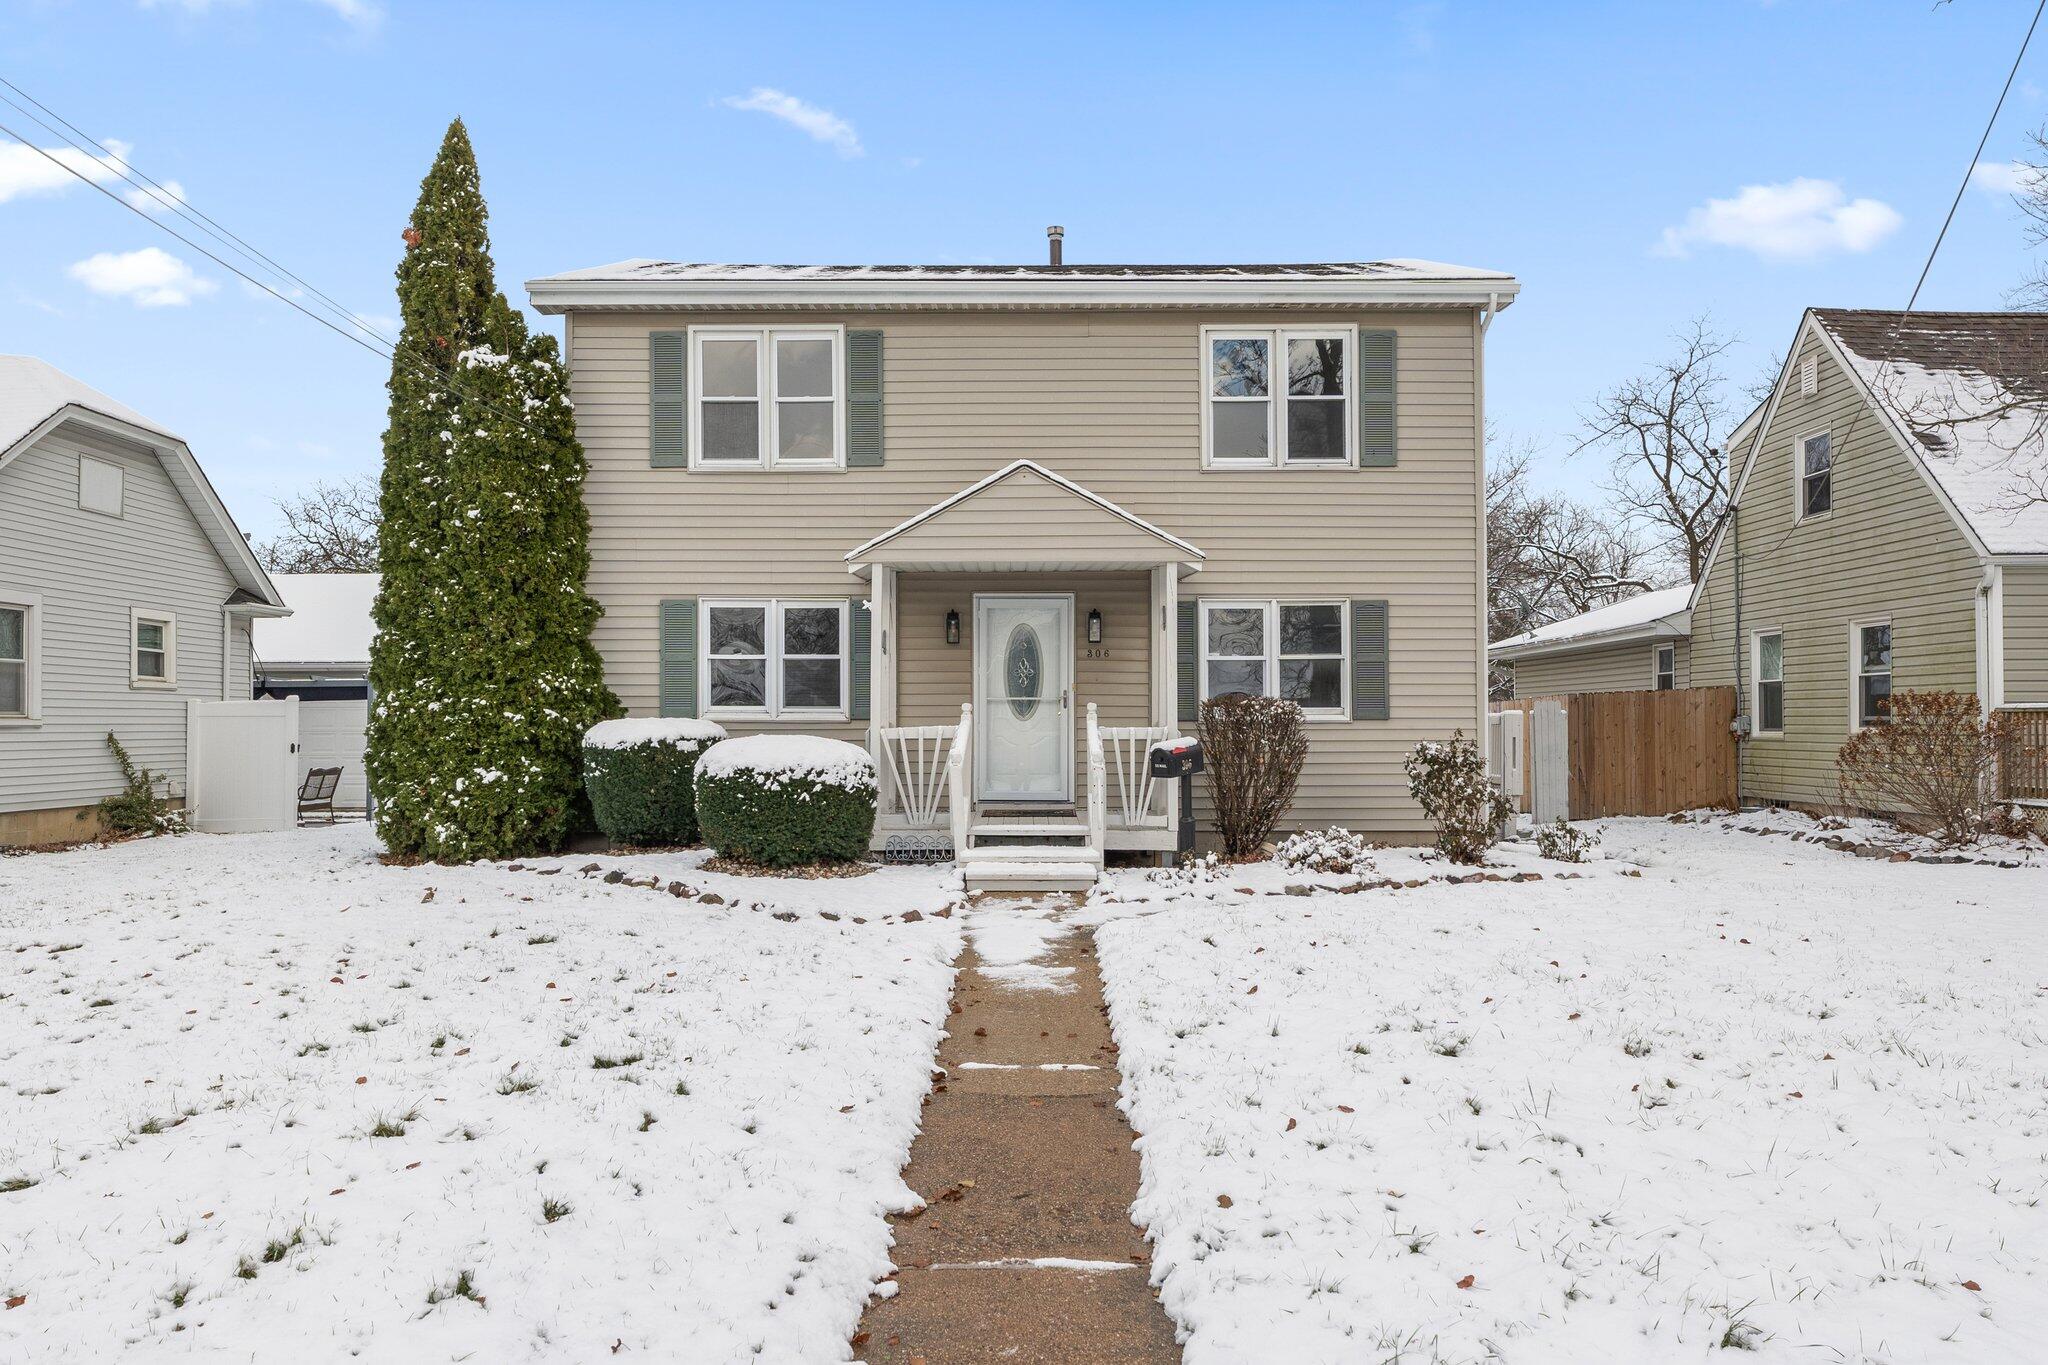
(1676,626)
(938,508)
(559,295)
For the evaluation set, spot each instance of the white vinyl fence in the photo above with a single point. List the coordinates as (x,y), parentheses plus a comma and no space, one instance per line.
(242,765)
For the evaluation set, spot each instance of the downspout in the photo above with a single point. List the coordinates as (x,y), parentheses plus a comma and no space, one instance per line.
(1741,691)
(227,626)
(1482,323)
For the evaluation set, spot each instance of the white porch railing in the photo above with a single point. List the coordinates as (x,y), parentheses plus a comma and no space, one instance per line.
(960,779)
(916,758)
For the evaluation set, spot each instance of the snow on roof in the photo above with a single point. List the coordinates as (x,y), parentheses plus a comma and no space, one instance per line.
(330,621)
(1970,391)
(32,391)
(643,268)
(1644,613)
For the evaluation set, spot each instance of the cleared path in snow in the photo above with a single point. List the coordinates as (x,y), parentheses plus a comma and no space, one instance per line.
(1025,1250)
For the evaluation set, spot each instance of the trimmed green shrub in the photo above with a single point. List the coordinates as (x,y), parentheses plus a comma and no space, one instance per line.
(641,776)
(786,800)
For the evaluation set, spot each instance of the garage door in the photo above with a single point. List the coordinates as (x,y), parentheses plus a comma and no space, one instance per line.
(330,736)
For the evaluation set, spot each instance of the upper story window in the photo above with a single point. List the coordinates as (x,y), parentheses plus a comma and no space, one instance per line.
(1292,650)
(773,658)
(1277,396)
(14,661)
(154,652)
(1666,668)
(767,397)
(1870,663)
(1816,475)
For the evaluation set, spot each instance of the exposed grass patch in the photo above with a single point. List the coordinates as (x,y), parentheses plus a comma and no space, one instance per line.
(463,1288)
(516,1085)
(602,1063)
(539,940)
(100,1003)
(281,1247)
(16,1184)
(394,1127)
(554,1210)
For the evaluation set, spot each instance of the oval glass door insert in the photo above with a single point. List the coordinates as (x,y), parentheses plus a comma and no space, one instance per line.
(1023,671)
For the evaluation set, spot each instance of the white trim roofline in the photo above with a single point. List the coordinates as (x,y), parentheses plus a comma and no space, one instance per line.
(1188,551)
(1675,625)
(186,476)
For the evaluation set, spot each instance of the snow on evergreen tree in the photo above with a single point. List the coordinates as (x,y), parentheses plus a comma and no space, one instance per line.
(482,673)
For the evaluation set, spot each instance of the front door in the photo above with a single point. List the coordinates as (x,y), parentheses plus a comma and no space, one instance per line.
(1023,691)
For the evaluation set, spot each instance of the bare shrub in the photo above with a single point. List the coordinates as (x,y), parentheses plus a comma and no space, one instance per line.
(1448,780)
(1563,842)
(1253,749)
(1932,762)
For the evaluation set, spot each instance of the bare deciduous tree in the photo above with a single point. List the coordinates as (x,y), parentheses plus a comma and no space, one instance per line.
(331,528)
(1663,432)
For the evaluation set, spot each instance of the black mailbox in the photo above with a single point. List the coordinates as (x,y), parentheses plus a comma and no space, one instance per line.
(1183,759)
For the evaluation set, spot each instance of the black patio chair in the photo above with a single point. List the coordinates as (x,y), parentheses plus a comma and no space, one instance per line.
(316,793)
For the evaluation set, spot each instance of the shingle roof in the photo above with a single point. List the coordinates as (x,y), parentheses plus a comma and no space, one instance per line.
(645,269)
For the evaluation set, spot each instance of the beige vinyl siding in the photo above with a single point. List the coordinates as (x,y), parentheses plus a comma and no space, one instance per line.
(2026,634)
(1888,549)
(90,570)
(1113,401)
(1629,667)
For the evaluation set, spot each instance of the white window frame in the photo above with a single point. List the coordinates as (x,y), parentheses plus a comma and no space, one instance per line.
(1276,339)
(1856,673)
(1271,607)
(1757,680)
(31,606)
(772,669)
(1799,512)
(766,359)
(137,618)
(112,477)
(1657,670)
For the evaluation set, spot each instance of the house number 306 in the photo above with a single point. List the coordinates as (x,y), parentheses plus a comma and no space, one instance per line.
(1097,652)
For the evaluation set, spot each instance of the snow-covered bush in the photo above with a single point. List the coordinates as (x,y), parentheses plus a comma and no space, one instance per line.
(1254,748)
(1330,850)
(1561,841)
(1190,871)
(1448,780)
(787,800)
(1932,761)
(641,776)
(137,808)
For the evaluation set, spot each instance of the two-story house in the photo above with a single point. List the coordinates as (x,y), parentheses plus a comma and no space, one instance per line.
(1044,508)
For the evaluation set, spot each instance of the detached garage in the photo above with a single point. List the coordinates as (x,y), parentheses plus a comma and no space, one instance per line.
(321,655)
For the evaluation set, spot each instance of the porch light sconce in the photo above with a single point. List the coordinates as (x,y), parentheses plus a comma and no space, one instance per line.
(1094,625)
(952,627)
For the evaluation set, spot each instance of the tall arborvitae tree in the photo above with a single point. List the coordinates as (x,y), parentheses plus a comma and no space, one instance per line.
(483,675)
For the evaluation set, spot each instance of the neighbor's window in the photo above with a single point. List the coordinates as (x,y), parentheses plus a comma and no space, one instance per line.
(1667,667)
(155,652)
(775,658)
(1872,649)
(1278,397)
(13,661)
(1292,650)
(1816,475)
(767,397)
(1769,671)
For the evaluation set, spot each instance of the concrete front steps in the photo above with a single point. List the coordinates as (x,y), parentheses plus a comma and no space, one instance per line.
(1030,867)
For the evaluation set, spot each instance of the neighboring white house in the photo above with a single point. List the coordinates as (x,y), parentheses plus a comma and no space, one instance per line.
(321,655)
(126,592)
(1638,644)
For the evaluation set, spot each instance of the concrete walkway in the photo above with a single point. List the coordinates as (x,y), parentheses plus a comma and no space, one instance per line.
(1025,1251)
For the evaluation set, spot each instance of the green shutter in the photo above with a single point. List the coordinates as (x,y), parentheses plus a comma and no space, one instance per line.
(1188,647)
(679,656)
(1368,659)
(1375,400)
(860,621)
(668,400)
(863,399)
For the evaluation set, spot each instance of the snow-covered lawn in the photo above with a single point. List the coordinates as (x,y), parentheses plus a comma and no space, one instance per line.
(276,1103)
(1765,1096)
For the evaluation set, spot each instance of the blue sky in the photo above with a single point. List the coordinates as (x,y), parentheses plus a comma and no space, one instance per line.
(1634,163)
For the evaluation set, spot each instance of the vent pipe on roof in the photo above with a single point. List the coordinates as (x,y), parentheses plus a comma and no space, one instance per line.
(1053,237)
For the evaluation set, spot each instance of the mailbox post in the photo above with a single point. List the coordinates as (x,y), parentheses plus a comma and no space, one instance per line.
(1181,759)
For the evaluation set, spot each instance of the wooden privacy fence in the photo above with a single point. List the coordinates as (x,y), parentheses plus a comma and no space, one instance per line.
(2023,766)
(1641,753)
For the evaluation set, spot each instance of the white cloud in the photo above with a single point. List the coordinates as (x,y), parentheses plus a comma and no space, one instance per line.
(154,200)
(363,15)
(821,124)
(2005,177)
(25,171)
(149,278)
(1799,220)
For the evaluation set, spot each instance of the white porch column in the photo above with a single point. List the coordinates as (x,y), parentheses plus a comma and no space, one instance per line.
(1165,650)
(882,678)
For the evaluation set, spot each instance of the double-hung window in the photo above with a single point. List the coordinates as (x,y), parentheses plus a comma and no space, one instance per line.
(1870,670)
(1767,667)
(1277,396)
(767,398)
(153,648)
(773,658)
(1816,475)
(16,701)
(1292,650)
(1666,667)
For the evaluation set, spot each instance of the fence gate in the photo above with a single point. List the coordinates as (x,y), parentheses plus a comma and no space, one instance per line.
(241,765)
(1549,761)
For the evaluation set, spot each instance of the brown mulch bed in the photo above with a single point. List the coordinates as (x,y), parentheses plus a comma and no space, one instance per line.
(740,867)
